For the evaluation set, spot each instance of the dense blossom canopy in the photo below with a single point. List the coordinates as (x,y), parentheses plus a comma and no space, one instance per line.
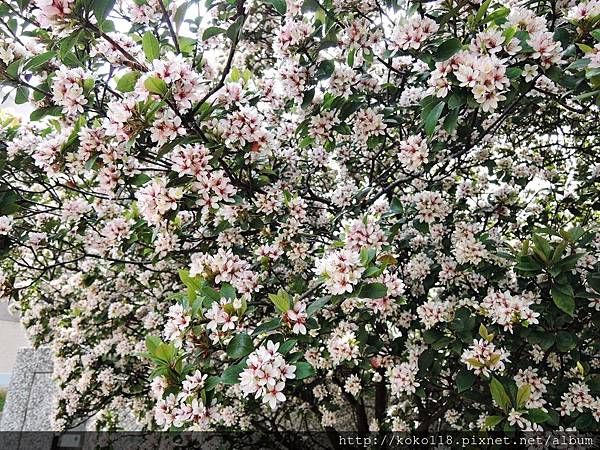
(283,214)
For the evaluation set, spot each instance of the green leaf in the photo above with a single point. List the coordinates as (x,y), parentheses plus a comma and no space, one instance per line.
(430,336)
(40,113)
(447,49)
(235,74)
(190,282)
(38,61)
(584,421)
(426,359)
(574,234)
(367,254)
(441,343)
(231,375)
(156,86)
(267,326)
(308,98)
(432,118)
(210,294)
(456,100)
(279,5)
(565,341)
(563,301)
(22,95)
(12,24)
(351,56)
(465,379)
(140,179)
(483,332)
(304,370)
(211,382)
(372,290)
(497,15)
(451,120)
(71,60)
(593,279)
(91,162)
(513,72)
(579,64)
(543,339)
(542,247)
(211,32)
(287,346)
(127,82)
(234,28)
(152,343)
(492,421)
(69,42)
(325,69)
(102,9)
(180,16)
(241,345)
(537,415)
(499,394)
(227,291)
(13,68)
(280,300)
(481,11)
(151,46)
(317,305)
(165,352)
(523,395)
(559,250)
(23,4)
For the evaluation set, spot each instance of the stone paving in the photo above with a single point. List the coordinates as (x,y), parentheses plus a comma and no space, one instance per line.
(30,392)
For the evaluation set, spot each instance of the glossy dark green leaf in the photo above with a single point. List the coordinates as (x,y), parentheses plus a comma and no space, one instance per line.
(447,49)
(38,61)
(563,300)
(432,118)
(279,5)
(304,370)
(372,290)
(231,375)
(465,379)
(241,345)
(317,305)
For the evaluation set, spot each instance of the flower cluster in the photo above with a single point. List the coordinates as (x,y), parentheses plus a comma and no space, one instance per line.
(483,357)
(506,309)
(266,375)
(67,88)
(403,379)
(406,178)
(341,270)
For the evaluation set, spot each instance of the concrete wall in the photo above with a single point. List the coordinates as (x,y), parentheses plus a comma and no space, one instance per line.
(12,338)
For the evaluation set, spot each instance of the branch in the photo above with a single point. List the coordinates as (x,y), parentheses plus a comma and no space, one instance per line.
(170,25)
(226,70)
(124,52)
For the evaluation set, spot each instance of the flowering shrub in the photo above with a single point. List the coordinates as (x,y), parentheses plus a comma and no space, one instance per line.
(384,213)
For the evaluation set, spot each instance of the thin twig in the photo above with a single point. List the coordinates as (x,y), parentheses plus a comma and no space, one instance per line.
(170,25)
